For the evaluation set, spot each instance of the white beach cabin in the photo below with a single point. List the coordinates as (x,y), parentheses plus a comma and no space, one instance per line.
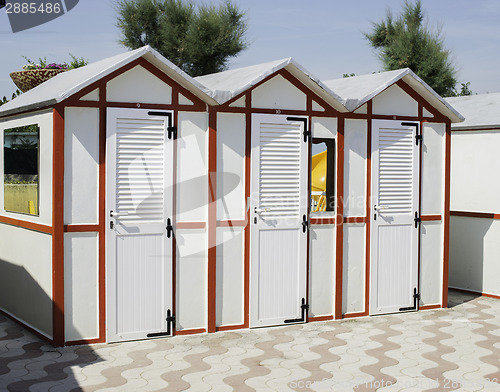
(254,197)
(475,201)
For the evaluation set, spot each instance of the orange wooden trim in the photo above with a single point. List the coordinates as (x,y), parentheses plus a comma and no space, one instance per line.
(232,223)
(248,149)
(26,326)
(354,315)
(84,342)
(322,221)
(363,116)
(438,117)
(58,226)
(473,292)
(212,220)
(102,212)
(446,244)
(197,102)
(429,307)
(230,327)
(468,214)
(320,318)
(431,218)
(26,225)
(190,225)
(81,228)
(294,81)
(339,270)
(191,331)
(175,98)
(354,219)
(155,106)
(368,207)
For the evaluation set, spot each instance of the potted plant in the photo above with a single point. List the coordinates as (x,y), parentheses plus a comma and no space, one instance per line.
(34,74)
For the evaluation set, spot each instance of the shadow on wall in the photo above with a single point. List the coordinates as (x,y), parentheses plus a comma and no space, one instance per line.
(22,296)
(467,243)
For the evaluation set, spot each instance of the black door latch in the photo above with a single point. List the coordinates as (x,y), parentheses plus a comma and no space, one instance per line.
(303,308)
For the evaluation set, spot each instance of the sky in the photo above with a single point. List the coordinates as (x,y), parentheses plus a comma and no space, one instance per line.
(324,36)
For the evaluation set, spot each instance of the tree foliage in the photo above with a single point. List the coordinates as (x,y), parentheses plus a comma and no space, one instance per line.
(198,39)
(406,41)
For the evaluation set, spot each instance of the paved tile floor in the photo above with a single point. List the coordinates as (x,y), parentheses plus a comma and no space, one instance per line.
(437,350)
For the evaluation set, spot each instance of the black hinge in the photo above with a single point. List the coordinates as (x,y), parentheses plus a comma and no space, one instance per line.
(303,308)
(416,299)
(418,135)
(172,132)
(417,219)
(305,223)
(170,228)
(307,131)
(170,326)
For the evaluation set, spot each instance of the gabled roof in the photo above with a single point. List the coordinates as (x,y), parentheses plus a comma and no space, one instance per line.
(357,90)
(480,111)
(229,84)
(68,83)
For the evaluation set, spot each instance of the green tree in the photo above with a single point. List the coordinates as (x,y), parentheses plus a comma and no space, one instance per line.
(198,39)
(406,41)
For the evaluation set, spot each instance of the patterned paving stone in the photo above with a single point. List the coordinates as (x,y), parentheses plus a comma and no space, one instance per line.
(439,350)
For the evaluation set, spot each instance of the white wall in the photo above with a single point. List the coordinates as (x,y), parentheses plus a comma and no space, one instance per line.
(322,270)
(353,290)
(191,279)
(324,127)
(278,93)
(81,286)
(230,166)
(45,122)
(230,276)
(81,166)
(26,276)
(433,163)
(475,254)
(138,85)
(355,155)
(395,101)
(192,167)
(475,164)
(431,263)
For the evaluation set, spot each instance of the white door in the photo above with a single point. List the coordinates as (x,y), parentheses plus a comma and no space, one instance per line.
(139,236)
(278,234)
(395,205)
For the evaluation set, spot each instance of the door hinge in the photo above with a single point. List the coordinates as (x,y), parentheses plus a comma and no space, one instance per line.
(303,309)
(172,132)
(170,228)
(417,219)
(170,326)
(305,223)
(416,299)
(307,131)
(418,135)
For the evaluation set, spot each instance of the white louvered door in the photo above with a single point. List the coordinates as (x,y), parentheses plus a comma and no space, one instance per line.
(139,206)
(279,201)
(395,201)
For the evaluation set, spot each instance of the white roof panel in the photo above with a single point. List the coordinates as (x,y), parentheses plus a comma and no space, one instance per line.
(68,83)
(355,91)
(228,84)
(480,111)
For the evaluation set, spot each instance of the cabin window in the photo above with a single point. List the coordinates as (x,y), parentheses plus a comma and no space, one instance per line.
(21,169)
(323,176)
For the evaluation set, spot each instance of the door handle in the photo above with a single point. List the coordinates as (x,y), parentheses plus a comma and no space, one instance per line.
(258,210)
(380,208)
(115,215)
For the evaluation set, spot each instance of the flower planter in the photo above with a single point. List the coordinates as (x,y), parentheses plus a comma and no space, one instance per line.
(26,80)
